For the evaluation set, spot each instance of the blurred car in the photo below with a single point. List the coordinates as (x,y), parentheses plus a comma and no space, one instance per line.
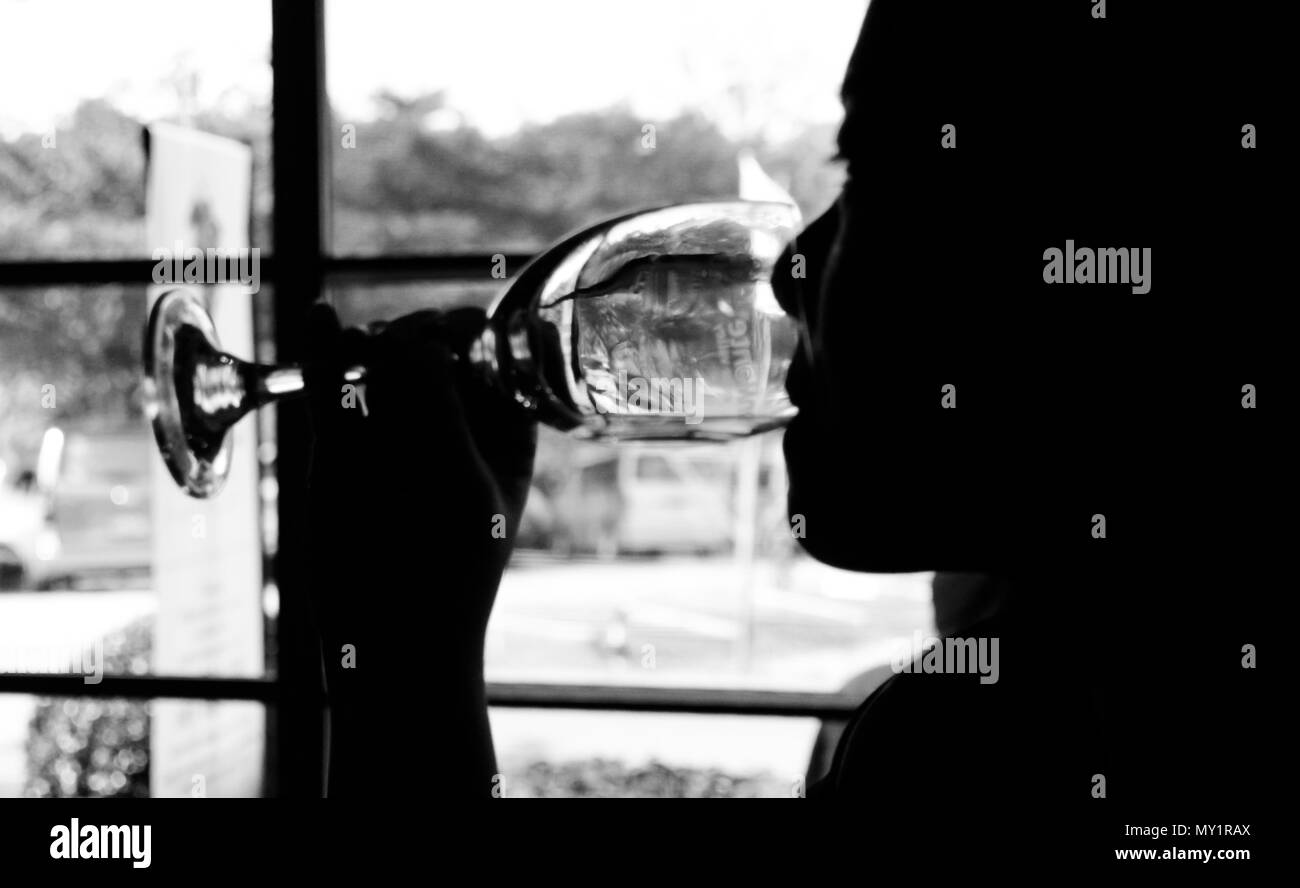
(97,492)
(646,499)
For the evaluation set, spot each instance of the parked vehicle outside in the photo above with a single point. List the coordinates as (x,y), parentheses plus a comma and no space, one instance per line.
(96,485)
(647,499)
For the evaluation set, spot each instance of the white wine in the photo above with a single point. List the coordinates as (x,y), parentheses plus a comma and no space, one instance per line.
(663,327)
(681,340)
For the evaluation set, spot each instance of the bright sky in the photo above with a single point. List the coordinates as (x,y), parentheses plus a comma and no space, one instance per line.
(56,53)
(501,62)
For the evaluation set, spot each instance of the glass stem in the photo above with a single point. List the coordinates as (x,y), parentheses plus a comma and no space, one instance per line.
(275,382)
(279,382)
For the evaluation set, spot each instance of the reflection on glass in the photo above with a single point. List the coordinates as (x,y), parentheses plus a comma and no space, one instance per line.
(668,327)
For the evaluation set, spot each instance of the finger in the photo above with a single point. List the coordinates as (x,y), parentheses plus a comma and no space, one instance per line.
(411,368)
(323,332)
(330,352)
(463,326)
(421,370)
(322,351)
(435,345)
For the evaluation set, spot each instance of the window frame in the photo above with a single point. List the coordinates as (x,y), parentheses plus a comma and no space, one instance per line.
(300,270)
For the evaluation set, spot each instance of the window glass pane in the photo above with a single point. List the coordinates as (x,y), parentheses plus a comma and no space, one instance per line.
(671,564)
(87,747)
(634,566)
(88,585)
(504,124)
(575,754)
(83,78)
(361,304)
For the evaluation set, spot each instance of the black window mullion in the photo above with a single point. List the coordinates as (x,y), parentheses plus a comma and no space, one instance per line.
(337,269)
(301,189)
(182,687)
(524,695)
(378,269)
(34,273)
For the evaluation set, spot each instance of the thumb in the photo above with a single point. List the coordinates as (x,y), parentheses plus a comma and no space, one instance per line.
(330,352)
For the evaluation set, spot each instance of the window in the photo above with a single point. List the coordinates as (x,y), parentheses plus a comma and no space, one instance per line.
(501,125)
(653,592)
(98,614)
(73,156)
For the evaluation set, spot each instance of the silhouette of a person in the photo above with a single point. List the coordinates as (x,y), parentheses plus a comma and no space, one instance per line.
(1120,639)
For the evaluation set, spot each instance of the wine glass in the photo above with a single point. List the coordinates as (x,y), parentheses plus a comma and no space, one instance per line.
(659,324)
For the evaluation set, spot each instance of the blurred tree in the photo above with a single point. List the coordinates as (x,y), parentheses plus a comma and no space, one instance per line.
(419,180)
(83,197)
(413,183)
(71,355)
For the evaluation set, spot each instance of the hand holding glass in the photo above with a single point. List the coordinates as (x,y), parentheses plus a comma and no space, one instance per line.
(660,324)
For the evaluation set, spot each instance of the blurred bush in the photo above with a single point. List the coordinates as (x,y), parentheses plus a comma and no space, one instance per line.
(603,778)
(90,747)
